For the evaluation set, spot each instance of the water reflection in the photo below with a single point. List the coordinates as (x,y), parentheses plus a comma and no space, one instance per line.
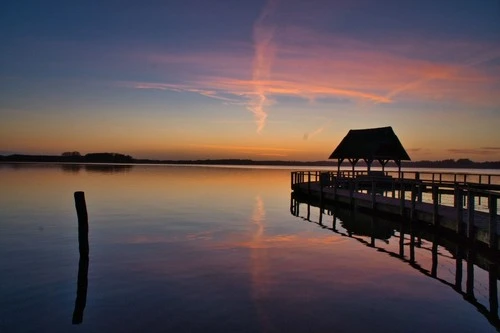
(259,263)
(96,168)
(368,228)
(81,291)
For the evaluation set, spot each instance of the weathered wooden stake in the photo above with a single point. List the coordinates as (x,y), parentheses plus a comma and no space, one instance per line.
(83,264)
(83,224)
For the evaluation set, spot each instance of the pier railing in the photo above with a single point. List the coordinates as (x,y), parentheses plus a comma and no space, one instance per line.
(474,197)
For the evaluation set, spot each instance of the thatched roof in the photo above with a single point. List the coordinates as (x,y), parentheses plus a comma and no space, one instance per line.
(371,144)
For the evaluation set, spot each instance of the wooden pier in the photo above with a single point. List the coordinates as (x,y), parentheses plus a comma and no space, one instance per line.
(466,204)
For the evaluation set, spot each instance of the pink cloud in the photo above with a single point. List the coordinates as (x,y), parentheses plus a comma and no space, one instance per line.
(294,61)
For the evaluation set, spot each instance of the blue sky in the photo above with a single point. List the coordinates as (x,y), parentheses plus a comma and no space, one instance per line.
(249,79)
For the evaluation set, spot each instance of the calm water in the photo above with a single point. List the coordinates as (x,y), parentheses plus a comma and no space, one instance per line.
(207,249)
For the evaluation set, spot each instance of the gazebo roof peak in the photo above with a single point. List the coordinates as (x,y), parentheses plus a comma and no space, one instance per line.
(371,144)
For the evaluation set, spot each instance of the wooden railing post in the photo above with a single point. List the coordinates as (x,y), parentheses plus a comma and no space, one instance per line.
(493,238)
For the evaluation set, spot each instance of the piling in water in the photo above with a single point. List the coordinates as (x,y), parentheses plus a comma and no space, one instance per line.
(83,264)
(83,224)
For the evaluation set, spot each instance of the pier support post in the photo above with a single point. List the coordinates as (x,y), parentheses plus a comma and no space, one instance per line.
(351,192)
(435,201)
(459,204)
(335,186)
(493,238)
(470,209)
(374,196)
(413,204)
(402,198)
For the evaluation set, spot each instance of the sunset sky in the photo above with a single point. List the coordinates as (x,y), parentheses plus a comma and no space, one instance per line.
(278,79)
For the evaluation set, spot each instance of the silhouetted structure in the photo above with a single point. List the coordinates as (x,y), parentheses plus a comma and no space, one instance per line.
(370,144)
(83,264)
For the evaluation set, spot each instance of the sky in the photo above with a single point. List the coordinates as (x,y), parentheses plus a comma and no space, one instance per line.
(260,79)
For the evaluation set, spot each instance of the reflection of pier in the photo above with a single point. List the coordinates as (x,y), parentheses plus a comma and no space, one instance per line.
(465,204)
(367,229)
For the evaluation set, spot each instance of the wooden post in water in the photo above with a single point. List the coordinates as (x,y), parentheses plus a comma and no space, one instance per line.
(83,223)
(493,238)
(83,264)
(470,208)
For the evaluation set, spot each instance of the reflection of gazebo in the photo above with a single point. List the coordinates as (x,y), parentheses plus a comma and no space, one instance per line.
(370,144)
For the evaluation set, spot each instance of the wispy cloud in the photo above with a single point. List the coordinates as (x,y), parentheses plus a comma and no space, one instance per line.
(468,151)
(310,64)
(246,148)
(265,50)
(317,131)
(491,148)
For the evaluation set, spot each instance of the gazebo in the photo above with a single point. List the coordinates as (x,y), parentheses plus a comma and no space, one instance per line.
(371,144)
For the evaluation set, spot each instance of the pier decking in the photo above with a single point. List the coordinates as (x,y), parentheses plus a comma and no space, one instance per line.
(464,203)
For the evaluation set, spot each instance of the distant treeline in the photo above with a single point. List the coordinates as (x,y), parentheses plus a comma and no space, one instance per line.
(75,157)
(71,157)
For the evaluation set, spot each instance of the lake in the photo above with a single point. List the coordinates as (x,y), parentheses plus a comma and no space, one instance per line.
(215,249)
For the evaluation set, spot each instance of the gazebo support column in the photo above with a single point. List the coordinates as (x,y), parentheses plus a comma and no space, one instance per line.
(368,162)
(353,162)
(339,162)
(398,162)
(383,163)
